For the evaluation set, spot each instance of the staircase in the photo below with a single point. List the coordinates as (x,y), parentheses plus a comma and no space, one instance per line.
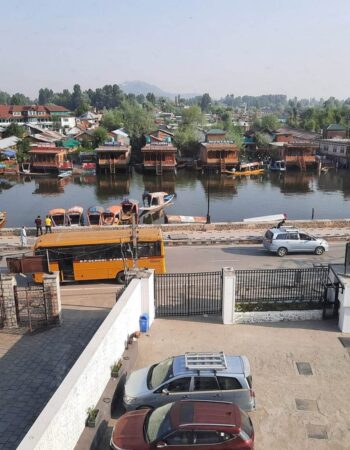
(159,168)
(302,164)
(222,165)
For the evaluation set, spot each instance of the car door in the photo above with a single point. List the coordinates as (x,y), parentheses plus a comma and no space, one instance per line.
(307,243)
(177,389)
(205,388)
(233,391)
(177,440)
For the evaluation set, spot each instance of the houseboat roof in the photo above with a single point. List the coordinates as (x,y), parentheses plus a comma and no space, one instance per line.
(216,131)
(336,127)
(159,147)
(112,148)
(49,150)
(96,237)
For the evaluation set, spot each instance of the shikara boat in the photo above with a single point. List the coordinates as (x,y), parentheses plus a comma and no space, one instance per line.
(185,219)
(277,166)
(58,217)
(75,216)
(157,201)
(94,215)
(112,215)
(253,168)
(3,215)
(129,208)
(65,174)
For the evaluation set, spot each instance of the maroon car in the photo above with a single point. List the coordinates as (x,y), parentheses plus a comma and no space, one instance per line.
(185,424)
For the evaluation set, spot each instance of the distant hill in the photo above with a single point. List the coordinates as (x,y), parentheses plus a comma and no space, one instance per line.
(141,87)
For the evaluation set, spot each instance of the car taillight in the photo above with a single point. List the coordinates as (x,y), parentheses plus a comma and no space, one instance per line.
(244,436)
(251,393)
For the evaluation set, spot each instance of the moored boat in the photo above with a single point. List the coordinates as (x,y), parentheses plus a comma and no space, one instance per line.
(157,201)
(271,218)
(129,208)
(94,215)
(75,216)
(58,217)
(112,215)
(277,166)
(185,219)
(254,168)
(3,215)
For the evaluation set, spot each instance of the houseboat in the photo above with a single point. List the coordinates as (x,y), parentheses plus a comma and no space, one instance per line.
(217,152)
(113,157)
(75,216)
(94,215)
(156,201)
(49,158)
(112,215)
(159,153)
(130,208)
(59,217)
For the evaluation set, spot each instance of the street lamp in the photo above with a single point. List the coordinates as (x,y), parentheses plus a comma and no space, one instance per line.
(208,191)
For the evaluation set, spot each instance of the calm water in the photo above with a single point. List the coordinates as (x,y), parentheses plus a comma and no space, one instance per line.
(230,199)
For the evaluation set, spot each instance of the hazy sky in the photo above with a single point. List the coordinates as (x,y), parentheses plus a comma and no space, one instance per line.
(293,47)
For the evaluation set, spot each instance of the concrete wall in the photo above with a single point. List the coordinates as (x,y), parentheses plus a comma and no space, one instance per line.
(276,316)
(63,419)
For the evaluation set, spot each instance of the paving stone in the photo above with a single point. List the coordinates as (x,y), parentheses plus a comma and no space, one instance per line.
(303,404)
(304,368)
(345,341)
(316,431)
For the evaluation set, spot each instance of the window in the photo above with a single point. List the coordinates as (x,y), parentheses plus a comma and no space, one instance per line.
(207,437)
(281,236)
(180,437)
(269,234)
(146,249)
(292,236)
(305,237)
(179,385)
(205,384)
(229,383)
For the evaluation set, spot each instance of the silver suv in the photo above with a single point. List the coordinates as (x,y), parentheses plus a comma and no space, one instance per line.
(289,240)
(194,376)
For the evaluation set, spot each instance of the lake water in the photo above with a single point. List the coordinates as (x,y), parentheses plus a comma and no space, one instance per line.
(231,199)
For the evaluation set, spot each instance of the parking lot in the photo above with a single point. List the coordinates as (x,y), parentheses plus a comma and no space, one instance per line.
(298,405)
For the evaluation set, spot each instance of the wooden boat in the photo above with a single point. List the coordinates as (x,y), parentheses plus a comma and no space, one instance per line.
(65,174)
(3,215)
(112,215)
(271,218)
(157,201)
(58,217)
(129,207)
(88,167)
(253,168)
(277,166)
(25,170)
(75,216)
(94,215)
(184,219)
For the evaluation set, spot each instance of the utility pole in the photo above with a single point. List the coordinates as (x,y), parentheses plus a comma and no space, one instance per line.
(134,240)
(208,191)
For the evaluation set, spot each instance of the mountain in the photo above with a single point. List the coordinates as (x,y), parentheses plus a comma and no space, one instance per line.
(141,87)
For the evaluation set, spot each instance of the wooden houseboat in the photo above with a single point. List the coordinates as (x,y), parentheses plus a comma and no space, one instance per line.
(218,153)
(129,208)
(113,157)
(75,216)
(300,155)
(49,158)
(159,153)
(58,217)
(94,215)
(112,215)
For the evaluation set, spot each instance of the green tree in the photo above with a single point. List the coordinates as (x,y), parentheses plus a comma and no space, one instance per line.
(45,96)
(4,97)
(99,136)
(151,98)
(186,141)
(270,122)
(23,148)
(14,130)
(112,119)
(20,99)
(192,116)
(205,102)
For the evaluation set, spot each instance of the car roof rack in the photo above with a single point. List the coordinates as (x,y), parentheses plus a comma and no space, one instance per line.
(205,361)
(288,228)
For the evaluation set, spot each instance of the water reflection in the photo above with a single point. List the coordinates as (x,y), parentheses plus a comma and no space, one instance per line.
(164,183)
(296,182)
(49,186)
(156,217)
(220,186)
(112,186)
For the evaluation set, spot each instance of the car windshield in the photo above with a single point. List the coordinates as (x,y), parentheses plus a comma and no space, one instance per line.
(159,373)
(157,423)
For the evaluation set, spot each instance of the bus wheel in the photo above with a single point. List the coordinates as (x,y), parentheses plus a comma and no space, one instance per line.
(120,277)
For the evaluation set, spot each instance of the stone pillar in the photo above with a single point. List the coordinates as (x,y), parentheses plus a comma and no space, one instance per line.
(147,293)
(7,284)
(344,306)
(228,295)
(52,294)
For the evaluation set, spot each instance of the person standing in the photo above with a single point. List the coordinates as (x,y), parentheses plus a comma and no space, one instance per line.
(23,237)
(48,225)
(39,228)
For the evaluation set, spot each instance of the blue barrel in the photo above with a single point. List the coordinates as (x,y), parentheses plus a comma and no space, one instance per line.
(144,323)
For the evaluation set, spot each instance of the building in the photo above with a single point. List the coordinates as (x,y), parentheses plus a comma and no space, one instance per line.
(44,115)
(217,152)
(334,131)
(159,153)
(114,156)
(336,150)
(301,155)
(49,158)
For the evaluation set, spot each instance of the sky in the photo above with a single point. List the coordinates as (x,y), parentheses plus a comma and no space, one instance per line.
(253,47)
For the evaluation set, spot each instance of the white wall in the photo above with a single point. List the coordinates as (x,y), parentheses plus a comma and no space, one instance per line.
(62,421)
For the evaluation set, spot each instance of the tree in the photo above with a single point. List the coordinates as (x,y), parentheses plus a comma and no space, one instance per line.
(186,140)
(77,97)
(99,136)
(19,99)
(4,98)
(192,116)
(112,119)
(205,102)
(23,148)
(14,130)
(151,98)
(270,122)
(45,96)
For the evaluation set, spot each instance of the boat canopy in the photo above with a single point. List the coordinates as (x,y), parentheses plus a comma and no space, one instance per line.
(253,165)
(57,212)
(75,210)
(96,210)
(113,209)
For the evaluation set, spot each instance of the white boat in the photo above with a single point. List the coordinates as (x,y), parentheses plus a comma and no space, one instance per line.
(65,174)
(185,219)
(157,201)
(271,218)
(277,166)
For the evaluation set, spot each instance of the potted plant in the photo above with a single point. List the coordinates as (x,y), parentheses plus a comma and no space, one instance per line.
(93,417)
(115,369)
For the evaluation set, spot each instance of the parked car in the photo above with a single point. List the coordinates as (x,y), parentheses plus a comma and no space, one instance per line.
(290,240)
(185,425)
(195,376)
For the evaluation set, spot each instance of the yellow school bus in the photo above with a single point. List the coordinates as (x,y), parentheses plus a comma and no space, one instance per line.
(99,255)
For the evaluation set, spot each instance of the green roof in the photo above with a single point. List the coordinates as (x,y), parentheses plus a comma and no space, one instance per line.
(335,127)
(71,143)
(216,131)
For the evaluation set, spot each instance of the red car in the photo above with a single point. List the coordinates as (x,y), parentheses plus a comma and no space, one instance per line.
(185,424)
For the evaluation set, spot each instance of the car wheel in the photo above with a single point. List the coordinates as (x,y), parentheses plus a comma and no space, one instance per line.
(319,251)
(120,277)
(282,251)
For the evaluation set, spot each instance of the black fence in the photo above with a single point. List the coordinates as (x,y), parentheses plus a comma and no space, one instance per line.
(186,294)
(277,289)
